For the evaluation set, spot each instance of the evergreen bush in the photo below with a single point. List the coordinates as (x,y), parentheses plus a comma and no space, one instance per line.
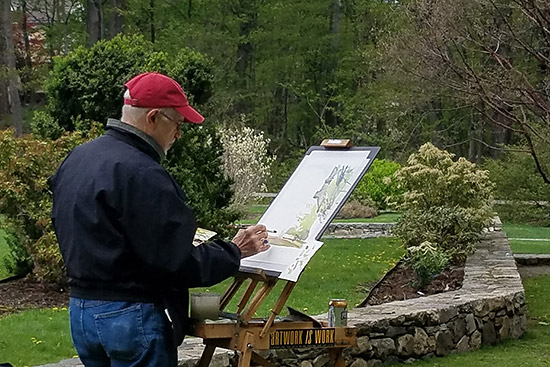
(45,126)
(195,162)
(89,82)
(444,202)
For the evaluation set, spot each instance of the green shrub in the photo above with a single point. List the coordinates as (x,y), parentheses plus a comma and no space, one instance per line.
(427,261)
(195,162)
(444,202)
(17,261)
(25,202)
(89,82)
(451,229)
(193,71)
(45,126)
(377,184)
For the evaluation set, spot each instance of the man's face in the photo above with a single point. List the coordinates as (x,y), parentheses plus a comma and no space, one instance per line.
(167,127)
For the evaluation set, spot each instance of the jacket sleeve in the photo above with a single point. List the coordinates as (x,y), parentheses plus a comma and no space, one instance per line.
(160,228)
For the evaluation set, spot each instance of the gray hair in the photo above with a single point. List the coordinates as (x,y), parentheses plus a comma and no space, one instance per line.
(132,114)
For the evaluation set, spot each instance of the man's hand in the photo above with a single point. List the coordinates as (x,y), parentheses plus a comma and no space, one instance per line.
(251,240)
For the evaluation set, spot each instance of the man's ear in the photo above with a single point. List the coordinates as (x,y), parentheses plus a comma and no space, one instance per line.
(149,123)
(151,118)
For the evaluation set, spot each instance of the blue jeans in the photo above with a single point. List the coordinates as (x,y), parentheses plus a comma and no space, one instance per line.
(121,334)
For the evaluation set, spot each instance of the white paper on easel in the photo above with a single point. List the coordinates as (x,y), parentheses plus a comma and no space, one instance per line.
(305,205)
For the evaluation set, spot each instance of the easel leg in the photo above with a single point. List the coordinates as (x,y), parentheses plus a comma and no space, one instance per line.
(206,356)
(246,352)
(336,357)
(258,359)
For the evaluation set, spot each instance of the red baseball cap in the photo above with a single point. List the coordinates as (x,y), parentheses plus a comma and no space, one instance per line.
(154,90)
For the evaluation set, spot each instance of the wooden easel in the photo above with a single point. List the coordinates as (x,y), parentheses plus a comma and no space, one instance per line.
(247,335)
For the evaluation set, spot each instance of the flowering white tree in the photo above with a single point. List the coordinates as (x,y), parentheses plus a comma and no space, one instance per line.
(246,160)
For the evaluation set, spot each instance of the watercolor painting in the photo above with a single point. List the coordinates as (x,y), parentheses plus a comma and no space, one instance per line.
(305,206)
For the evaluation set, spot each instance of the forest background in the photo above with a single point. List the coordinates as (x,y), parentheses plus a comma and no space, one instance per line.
(470,76)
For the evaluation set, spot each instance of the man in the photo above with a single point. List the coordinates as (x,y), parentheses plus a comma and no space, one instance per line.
(126,234)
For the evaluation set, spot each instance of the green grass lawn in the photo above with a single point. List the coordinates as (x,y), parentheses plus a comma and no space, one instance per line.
(342,267)
(35,337)
(530,351)
(526,231)
(518,232)
(257,208)
(530,247)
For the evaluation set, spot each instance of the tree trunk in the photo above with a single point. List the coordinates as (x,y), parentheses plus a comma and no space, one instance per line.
(64,19)
(94,21)
(152,19)
(472,148)
(248,14)
(101,19)
(336,22)
(9,61)
(331,61)
(4,106)
(498,134)
(28,61)
(116,19)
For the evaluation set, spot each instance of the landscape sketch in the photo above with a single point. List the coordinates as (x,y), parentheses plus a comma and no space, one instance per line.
(306,204)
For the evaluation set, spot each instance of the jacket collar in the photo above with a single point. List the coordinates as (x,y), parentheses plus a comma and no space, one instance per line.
(138,138)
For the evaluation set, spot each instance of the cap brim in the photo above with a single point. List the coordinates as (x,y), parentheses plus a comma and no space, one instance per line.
(190,114)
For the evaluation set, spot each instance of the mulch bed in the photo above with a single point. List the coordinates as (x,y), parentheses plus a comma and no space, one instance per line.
(23,294)
(399,284)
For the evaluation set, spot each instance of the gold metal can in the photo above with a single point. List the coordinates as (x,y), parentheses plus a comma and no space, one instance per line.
(337,313)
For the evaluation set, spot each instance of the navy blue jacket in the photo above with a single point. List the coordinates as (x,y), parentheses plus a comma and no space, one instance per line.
(123,227)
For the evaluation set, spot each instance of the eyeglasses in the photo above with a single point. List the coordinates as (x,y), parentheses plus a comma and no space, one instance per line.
(179,123)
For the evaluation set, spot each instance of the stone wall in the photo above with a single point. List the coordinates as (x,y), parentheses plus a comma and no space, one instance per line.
(371,230)
(490,307)
(532,259)
(358,230)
